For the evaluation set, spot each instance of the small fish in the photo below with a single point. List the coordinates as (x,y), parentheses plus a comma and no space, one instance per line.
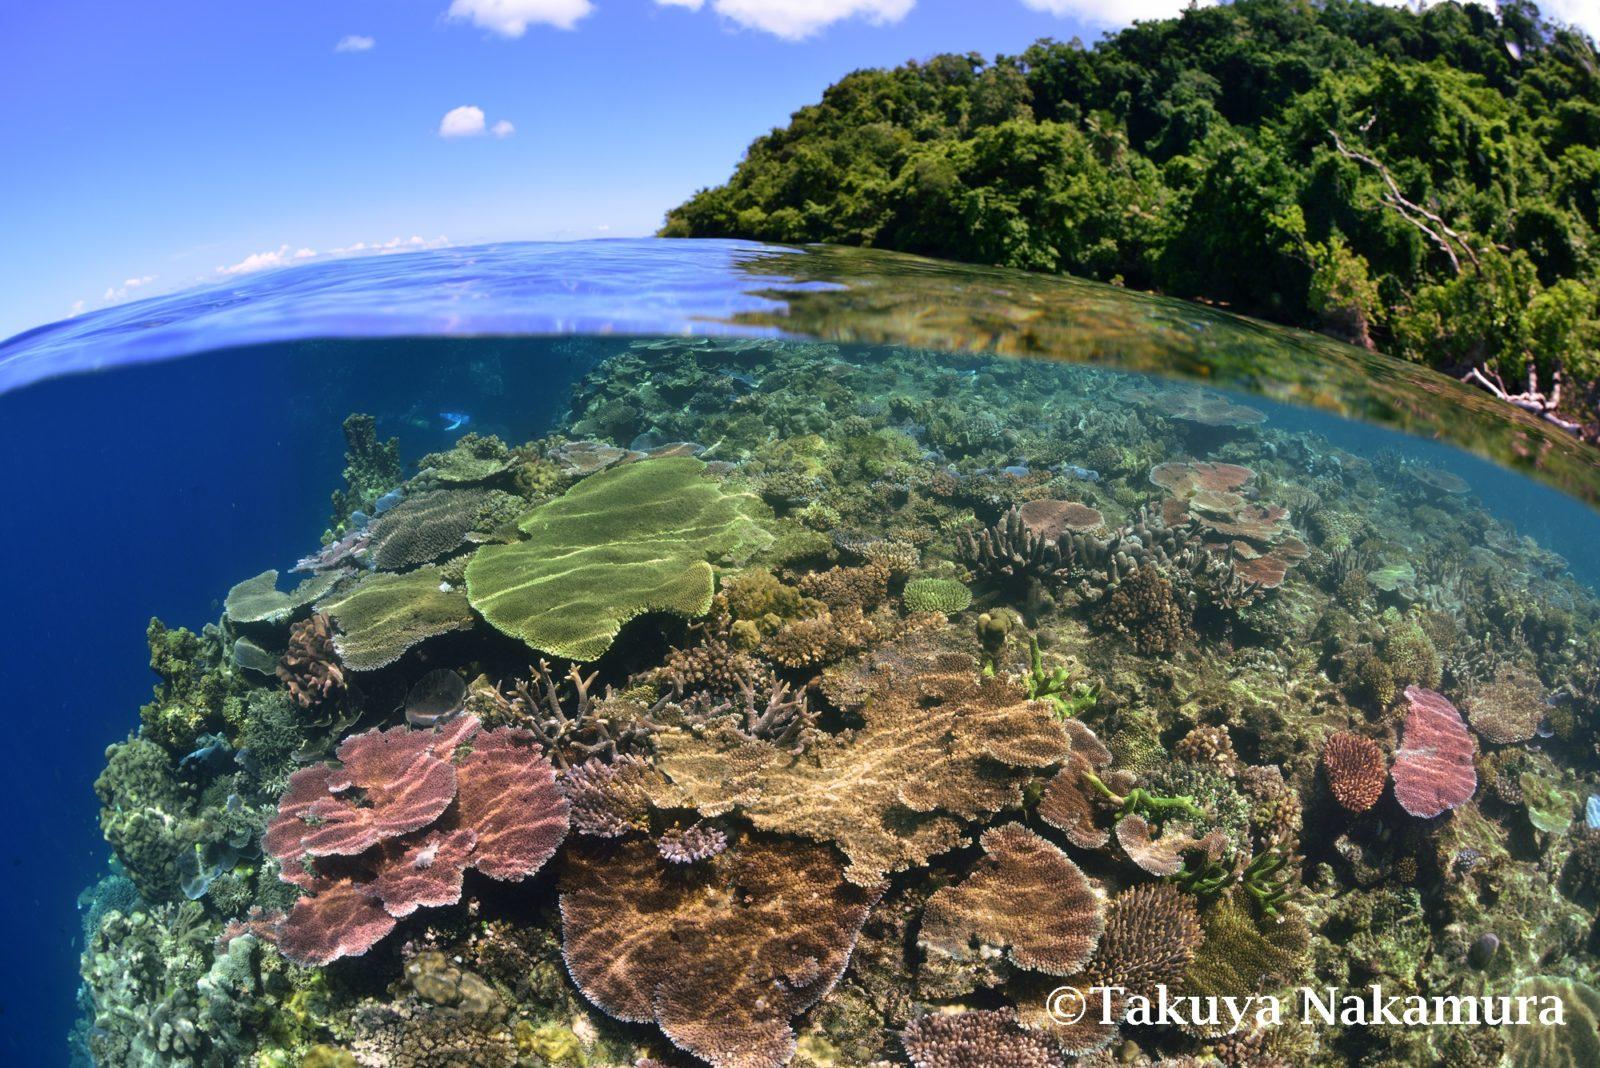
(455,420)
(1017,471)
(1591,812)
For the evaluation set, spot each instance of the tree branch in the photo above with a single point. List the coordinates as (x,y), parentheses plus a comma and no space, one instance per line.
(1411,213)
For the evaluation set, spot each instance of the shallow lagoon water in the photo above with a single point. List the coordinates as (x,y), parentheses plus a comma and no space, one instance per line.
(1294,573)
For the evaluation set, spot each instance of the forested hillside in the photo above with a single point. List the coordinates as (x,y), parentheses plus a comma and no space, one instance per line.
(1425,183)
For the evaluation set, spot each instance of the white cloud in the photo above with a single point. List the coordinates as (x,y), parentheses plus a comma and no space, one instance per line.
(796,19)
(261,261)
(1113,12)
(118,293)
(503,129)
(511,18)
(464,121)
(355,42)
(1584,14)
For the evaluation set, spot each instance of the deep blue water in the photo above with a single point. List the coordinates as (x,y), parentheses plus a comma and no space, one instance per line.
(149,492)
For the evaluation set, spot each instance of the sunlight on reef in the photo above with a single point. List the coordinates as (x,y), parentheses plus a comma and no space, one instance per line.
(792,703)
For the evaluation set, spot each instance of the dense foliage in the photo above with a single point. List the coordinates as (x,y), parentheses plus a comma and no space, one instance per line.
(1426,182)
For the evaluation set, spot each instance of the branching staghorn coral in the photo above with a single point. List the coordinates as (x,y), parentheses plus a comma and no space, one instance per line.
(577,725)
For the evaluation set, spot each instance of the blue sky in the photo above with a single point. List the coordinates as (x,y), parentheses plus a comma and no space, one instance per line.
(150,147)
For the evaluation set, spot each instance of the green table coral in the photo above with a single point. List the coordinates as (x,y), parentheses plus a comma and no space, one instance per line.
(258,600)
(383,615)
(634,539)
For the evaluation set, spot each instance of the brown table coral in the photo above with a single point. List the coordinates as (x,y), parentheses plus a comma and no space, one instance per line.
(720,954)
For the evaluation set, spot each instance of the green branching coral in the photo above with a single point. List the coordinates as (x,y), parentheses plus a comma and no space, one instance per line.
(371,469)
(634,539)
(1059,686)
(1241,956)
(196,693)
(383,615)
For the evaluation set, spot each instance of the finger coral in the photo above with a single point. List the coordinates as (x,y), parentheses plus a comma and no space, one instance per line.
(1025,898)
(310,666)
(397,823)
(634,539)
(722,954)
(1433,768)
(1355,770)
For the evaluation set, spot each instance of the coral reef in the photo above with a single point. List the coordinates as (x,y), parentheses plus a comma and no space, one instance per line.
(808,766)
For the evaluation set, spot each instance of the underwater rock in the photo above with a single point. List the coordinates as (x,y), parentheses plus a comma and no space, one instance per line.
(618,544)
(1433,768)
(721,954)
